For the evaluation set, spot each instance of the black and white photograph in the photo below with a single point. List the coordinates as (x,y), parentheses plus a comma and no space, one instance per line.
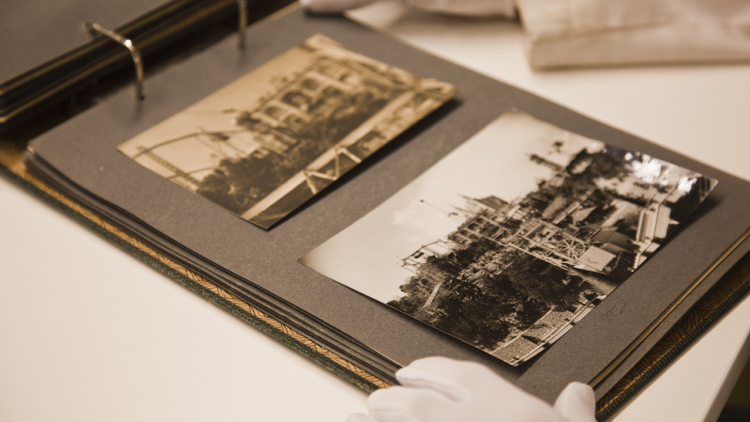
(515,236)
(266,143)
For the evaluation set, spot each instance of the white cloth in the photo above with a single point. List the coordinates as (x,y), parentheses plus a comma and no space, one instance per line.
(564,33)
(613,32)
(475,8)
(439,389)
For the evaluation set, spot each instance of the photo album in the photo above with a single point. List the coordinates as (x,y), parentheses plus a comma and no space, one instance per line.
(368,204)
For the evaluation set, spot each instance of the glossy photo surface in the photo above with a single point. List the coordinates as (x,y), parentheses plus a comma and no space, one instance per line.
(515,236)
(266,143)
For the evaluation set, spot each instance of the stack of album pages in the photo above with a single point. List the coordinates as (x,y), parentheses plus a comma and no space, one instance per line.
(369,204)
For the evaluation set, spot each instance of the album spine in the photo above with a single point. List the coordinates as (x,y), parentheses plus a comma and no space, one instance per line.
(153,34)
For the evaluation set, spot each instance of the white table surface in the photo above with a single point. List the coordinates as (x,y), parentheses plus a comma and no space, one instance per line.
(89,333)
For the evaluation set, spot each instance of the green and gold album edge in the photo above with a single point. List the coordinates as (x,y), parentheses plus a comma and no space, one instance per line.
(214,294)
(636,379)
(726,293)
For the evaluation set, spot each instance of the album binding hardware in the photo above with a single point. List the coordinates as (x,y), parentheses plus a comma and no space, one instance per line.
(94,27)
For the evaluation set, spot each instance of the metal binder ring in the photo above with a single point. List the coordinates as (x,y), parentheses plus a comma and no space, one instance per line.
(134,53)
(242,22)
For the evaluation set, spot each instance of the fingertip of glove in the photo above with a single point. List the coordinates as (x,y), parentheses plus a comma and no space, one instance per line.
(579,389)
(359,417)
(577,402)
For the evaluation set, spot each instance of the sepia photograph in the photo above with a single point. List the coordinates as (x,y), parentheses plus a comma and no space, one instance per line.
(514,237)
(266,143)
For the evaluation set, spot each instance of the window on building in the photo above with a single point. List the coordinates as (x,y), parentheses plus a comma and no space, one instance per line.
(274,112)
(296,99)
(350,78)
(293,122)
(332,91)
(327,71)
(259,153)
(310,84)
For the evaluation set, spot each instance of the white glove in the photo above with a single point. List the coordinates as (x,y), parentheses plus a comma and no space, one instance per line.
(451,7)
(439,389)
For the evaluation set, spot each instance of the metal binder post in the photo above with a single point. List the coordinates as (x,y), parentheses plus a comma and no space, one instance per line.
(242,22)
(135,54)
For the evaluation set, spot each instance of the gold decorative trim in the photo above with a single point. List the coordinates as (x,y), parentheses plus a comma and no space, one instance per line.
(730,284)
(615,363)
(12,159)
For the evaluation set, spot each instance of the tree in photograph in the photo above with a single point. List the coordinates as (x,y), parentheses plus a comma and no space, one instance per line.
(239,184)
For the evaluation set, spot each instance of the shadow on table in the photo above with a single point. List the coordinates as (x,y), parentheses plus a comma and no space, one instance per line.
(737,408)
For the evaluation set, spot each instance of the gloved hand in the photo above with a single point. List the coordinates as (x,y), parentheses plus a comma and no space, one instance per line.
(452,7)
(439,389)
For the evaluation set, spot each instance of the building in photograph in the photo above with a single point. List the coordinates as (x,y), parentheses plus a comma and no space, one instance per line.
(325,89)
(593,230)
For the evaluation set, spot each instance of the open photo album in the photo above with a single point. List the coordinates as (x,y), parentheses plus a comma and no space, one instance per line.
(368,204)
